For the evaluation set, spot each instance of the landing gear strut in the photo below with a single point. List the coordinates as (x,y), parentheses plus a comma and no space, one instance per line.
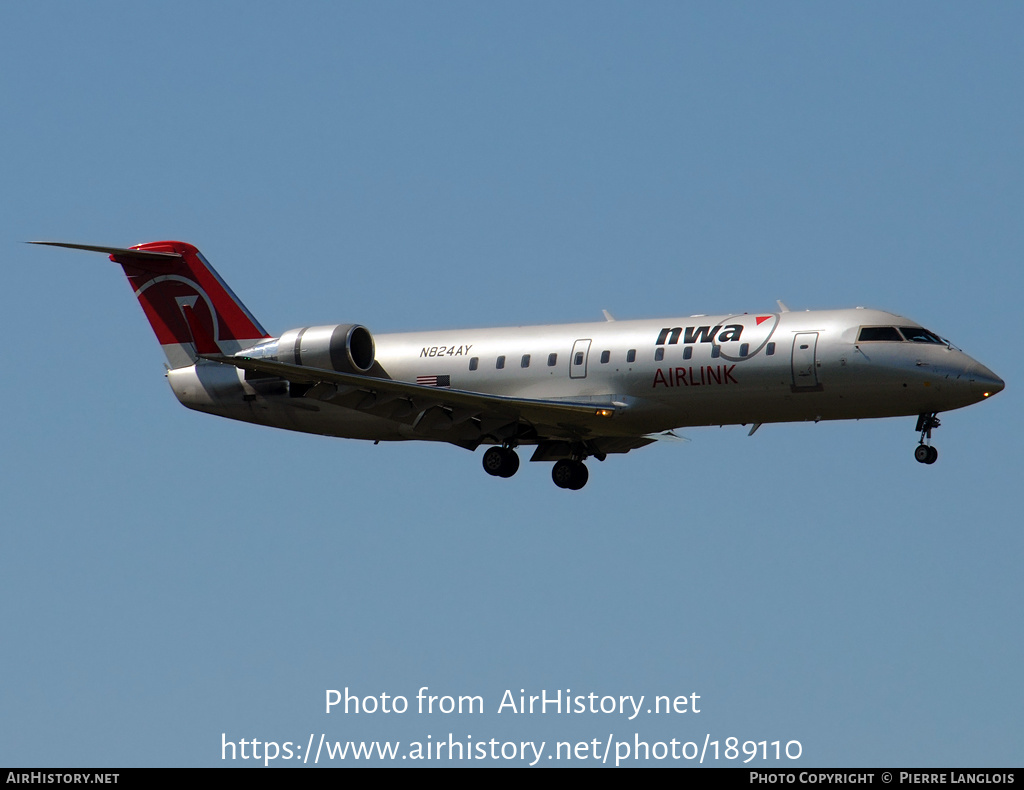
(501,461)
(570,474)
(925,453)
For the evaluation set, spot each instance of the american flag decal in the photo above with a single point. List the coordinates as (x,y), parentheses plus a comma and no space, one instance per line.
(434,381)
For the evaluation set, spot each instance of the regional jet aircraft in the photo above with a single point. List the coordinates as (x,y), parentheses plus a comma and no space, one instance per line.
(571,391)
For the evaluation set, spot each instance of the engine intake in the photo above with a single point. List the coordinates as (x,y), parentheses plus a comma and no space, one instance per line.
(346,348)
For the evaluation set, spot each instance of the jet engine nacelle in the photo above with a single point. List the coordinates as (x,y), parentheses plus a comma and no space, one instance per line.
(346,348)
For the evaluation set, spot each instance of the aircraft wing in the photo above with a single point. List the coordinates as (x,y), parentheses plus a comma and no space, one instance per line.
(439,408)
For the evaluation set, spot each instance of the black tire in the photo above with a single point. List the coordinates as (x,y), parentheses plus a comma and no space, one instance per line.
(580,476)
(511,464)
(494,461)
(922,453)
(562,473)
(570,474)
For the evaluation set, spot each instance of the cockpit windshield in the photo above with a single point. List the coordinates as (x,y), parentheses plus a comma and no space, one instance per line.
(874,333)
(914,334)
(920,335)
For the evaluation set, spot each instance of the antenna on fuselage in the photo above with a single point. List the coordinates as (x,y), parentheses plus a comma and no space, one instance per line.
(782,307)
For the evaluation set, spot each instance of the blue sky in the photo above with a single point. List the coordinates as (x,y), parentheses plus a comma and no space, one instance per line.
(169,577)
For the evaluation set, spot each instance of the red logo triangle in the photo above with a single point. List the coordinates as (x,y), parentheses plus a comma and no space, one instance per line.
(762,318)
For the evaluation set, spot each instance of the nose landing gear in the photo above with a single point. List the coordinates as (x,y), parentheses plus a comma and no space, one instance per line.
(925,453)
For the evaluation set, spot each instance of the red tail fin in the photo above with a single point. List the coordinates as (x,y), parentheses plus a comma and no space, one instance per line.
(191,309)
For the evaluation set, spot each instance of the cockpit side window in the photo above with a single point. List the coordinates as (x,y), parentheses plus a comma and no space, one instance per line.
(872,333)
(919,334)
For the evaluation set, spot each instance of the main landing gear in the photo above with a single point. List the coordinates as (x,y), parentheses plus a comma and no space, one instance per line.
(925,453)
(501,461)
(568,473)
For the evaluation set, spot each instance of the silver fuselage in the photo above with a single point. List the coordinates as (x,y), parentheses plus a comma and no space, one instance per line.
(661,374)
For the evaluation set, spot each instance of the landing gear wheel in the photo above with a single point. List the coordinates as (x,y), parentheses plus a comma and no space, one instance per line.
(501,462)
(580,476)
(562,473)
(926,454)
(570,474)
(511,464)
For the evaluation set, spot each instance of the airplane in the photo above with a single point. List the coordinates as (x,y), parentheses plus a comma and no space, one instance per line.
(571,391)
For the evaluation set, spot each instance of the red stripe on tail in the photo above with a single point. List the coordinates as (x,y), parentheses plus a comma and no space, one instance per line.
(178,292)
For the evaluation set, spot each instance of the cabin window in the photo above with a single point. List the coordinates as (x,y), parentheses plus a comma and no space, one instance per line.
(605,356)
(873,333)
(500,364)
(744,349)
(474,362)
(578,359)
(919,335)
(770,349)
(716,350)
(525,363)
(688,352)
(553,360)
(631,355)
(659,353)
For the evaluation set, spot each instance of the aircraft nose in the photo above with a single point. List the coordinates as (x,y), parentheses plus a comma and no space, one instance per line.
(985,381)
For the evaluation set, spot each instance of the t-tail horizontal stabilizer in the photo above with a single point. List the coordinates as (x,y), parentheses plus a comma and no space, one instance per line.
(191,309)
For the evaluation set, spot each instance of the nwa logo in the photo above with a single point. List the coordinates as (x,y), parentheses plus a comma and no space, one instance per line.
(700,334)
